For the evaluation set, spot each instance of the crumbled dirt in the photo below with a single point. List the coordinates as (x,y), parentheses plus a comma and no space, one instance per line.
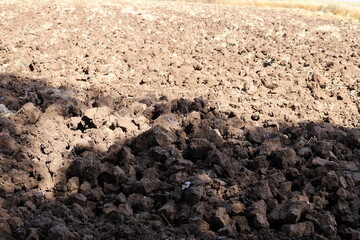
(177,121)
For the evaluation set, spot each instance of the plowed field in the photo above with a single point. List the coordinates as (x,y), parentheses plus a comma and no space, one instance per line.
(166,120)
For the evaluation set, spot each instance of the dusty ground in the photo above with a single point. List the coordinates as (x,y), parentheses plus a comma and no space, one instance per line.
(157,120)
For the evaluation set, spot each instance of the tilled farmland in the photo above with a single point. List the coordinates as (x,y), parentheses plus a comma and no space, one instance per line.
(168,120)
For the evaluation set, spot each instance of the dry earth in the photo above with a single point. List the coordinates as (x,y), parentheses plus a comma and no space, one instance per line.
(161,120)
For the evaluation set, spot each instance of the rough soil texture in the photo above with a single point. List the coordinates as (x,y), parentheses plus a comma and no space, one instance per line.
(158,120)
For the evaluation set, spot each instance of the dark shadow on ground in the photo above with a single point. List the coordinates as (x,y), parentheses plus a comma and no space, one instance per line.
(159,169)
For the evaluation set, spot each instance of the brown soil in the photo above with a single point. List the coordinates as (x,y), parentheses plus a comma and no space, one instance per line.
(158,120)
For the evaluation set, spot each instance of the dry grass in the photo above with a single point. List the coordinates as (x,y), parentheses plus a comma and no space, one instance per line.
(344,9)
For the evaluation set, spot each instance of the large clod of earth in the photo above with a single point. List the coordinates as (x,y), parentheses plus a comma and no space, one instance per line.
(167,120)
